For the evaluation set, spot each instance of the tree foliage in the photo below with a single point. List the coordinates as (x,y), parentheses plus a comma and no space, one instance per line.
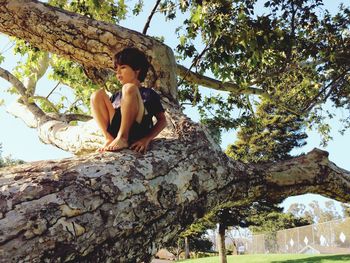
(316,213)
(8,160)
(274,221)
(197,243)
(270,135)
(295,52)
(292,56)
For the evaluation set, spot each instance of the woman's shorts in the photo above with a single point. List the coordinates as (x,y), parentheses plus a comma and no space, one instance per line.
(137,130)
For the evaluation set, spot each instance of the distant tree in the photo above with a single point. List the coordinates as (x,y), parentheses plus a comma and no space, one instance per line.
(314,212)
(270,223)
(194,239)
(176,246)
(342,227)
(8,160)
(1,160)
(197,243)
(243,216)
(268,136)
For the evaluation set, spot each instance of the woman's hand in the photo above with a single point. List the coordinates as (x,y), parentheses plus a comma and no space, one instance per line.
(141,145)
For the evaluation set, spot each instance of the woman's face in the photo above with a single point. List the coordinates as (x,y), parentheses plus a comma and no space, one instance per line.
(125,74)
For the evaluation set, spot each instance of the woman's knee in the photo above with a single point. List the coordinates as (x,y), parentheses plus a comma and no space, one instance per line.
(97,95)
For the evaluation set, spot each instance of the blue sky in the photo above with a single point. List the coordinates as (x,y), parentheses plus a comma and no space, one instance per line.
(22,142)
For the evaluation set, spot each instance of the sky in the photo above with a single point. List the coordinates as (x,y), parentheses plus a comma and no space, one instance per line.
(21,142)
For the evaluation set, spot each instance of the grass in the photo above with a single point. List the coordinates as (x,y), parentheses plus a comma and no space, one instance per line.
(276,258)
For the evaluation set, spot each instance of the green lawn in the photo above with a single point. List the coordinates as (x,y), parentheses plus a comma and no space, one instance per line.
(279,258)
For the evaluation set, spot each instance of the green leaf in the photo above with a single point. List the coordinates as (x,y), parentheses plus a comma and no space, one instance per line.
(96,4)
(138,8)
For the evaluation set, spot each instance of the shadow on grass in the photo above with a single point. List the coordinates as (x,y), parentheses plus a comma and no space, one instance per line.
(317,259)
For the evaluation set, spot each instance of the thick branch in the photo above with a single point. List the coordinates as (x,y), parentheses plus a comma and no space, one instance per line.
(204,81)
(311,173)
(89,42)
(57,131)
(82,138)
(54,128)
(122,205)
(40,116)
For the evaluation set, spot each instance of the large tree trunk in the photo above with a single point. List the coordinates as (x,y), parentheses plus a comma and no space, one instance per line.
(221,243)
(119,207)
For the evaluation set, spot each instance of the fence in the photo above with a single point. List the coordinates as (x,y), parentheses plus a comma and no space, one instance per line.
(331,237)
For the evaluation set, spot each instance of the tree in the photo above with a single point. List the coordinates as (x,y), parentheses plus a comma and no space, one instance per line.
(1,160)
(270,223)
(314,212)
(194,236)
(267,137)
(324,219)
(96,208)
(259,217)
(8,160)
(196,243)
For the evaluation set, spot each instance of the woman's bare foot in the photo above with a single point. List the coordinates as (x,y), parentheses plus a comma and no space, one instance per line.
(108,141)
(117,144)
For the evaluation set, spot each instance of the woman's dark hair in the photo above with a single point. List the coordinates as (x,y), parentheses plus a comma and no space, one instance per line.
(134,58)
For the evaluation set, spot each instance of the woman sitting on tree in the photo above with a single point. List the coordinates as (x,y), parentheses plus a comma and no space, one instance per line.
(126,117)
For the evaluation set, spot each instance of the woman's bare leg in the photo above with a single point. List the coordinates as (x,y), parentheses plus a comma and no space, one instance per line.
(102,111)
(131,110)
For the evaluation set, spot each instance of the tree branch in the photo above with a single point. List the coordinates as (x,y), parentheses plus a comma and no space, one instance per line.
(48,95)
(119,205)
(18,85)
(195,61)
(144,31)
(193,77)
(311,173)
(84,138)
(56,30)
(331,87)
(75,117)
(51,105)
(37,73)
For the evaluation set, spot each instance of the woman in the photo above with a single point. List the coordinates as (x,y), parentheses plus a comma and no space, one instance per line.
(126,118)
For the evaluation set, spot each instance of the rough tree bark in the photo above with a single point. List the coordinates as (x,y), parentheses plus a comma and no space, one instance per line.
(93,44)
(119,207)
(89,42)
(221,244)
